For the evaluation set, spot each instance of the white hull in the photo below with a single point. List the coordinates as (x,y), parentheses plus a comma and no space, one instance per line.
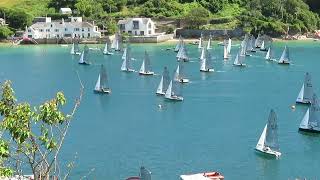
(183,81)
(146,73)
(175,98)
(241,65)
(107,53)
(127,70)
(284,62)
(103,91)
(160,93)
(268,151)
(76,53)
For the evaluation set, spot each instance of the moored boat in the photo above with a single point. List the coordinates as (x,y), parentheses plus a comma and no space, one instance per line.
(285,58)
(203,176)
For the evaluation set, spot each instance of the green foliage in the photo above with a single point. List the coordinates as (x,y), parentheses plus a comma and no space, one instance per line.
(197,17)
(5,32)
(17,18)
(34,131)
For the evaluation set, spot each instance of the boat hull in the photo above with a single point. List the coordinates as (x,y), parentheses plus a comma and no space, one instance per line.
(309,130)
(146,73)
(268,152)
(175,98)
(77,53)
(206,70)
(240,65)
(303,102)
(84,63)
(263,49)
(102,91)
(127,70)
(160,93)
(108,53)
(284,63)
(183,81)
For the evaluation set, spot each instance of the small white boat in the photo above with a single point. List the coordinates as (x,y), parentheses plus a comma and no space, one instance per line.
(285,59)
(164,82)
(144,174)
(306,92)
(262,47)
(179,74)
(203,176)
(229,46)
(238,61)
(102,82)
(84,56)
(182,53)
(268,141)
(269,54)
(173,92)
(106,50)
(146,68)
(116,45)
(225,52)
(126,64)
(311,120)
(75,50)
(209,42)
(200,44)
(205,64)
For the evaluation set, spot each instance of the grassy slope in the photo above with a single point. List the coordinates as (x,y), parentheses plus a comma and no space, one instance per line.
(8,3)
(34,7)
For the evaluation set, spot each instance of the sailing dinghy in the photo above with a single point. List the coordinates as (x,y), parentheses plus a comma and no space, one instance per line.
(238,61)
(75,50)
(262,47)
(268,142)
(84,56)
(225,51)
(146,68)
(209,42)
(179,45)
(173,92)
(306,92)
(182,54)
(179,74)
(200,44)
(102,82)
(126,64)
(311,120)
(205,64)
(106,50)
(285,59)
(164,82)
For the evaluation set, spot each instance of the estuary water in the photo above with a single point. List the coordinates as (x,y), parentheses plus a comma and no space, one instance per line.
(216,127)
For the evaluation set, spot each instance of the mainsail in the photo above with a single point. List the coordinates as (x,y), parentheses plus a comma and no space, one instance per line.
(209,43)
(146,65)
(229,46)
(179,45)
(84,56)
(126,65)
(145,174)
(164,82)
(102,82)
(285,56)
(202,56)
(271,140)
(306,92)
(182,54)
(311,120)
(200,41)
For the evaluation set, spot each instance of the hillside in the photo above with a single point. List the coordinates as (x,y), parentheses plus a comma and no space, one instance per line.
(272,17)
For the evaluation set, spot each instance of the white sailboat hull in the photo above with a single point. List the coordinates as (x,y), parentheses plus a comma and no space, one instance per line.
(107,53)
(183,80)
(146,73)
(206,70)
(242,65)
(103,91)
(175,98)
(268,151)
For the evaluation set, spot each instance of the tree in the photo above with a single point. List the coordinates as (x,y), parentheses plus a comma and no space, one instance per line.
(18,18)
(5,32)
(36,135)
(197,17)
(85,7)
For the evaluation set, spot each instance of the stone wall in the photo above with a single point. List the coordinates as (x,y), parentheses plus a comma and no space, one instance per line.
(151,39)
(217,34)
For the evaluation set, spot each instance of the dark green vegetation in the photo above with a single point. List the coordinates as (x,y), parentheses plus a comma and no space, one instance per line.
(272,17)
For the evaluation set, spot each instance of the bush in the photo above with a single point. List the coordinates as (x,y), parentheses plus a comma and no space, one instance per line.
(5,32)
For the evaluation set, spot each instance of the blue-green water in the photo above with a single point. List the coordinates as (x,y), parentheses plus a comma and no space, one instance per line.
(216,127)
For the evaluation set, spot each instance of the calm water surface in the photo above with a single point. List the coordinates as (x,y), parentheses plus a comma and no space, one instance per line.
(216,127)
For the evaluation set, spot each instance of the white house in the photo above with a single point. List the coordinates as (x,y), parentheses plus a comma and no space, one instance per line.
(2,22)
(137,26)
(65,11)
(72,27)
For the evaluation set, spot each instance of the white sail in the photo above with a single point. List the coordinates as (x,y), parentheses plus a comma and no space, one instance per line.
(306,92)
(142,69)
(209,44)
(236,61)
(202,56)
(160,86)
(229,46)
(81,60)
(305,121)
(200,42)
(97,87)
(124,55)
(225,52)
(262,46)
(243,48)
(300,95)
(177,74)
(105,50)
(260,144)
(203,65)
(268,55)
(72,49)
(179,45)
(284,59)
(169,91)
(124,65)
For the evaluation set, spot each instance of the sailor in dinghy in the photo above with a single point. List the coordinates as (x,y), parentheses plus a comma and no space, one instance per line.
(285,58)
(179,74)
(205,64)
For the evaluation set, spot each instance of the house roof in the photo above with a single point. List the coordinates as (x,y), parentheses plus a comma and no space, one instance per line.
(41,25)
(125,21)
(65,9)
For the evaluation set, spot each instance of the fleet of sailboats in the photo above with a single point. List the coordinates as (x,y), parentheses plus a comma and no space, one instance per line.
(102,85)
(311,119)
(268,141)
(164,82)
(146,68)
(306,92)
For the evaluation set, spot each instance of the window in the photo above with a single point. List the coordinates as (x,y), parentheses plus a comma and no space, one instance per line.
(149,32)
(135,33)
(76,29)
(142,33)
(135,24)
(88,29)
(65,29)
(41,30)
(122,27)
(56,30)
(129,32)
(47,30)
(82,29)
(51,25)
(57,35)
(29,36)
(29,30)
(149,25)
(88,35)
